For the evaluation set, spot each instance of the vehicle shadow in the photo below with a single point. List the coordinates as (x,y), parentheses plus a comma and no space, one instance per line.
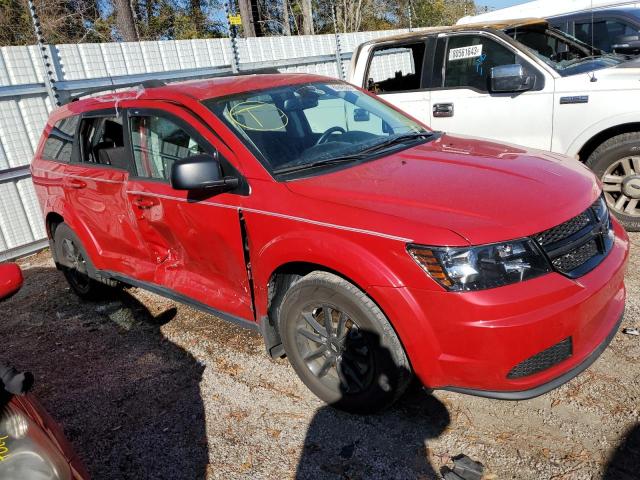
(624,463)
(392,444)
(128,399)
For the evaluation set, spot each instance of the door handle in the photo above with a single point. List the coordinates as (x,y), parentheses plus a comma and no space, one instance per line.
(75,183)
(443,109)
(144,203)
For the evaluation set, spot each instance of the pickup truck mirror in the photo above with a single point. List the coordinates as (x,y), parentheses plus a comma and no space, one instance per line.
(361,115)
(510,78)
(201,172)
(627,44)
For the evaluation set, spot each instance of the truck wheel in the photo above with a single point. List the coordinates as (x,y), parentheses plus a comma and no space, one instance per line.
(74,261)
(341,345)
(617,164)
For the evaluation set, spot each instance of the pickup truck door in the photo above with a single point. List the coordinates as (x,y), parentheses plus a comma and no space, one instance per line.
(195,240)
(396,73)
(461,101)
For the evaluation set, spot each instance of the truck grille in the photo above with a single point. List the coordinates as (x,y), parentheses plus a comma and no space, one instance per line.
(577,246)
(543,360)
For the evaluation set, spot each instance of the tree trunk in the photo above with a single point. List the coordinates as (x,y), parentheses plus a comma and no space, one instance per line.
(286,26)
(307,17)
(246,14)
(125,22)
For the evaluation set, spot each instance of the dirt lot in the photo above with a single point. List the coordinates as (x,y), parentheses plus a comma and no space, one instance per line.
(147,389)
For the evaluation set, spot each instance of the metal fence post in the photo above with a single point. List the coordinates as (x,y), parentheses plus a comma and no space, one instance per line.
(46,56)
(235,55)
(339,64)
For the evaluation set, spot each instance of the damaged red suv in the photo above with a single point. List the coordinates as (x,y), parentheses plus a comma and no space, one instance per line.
(362,245)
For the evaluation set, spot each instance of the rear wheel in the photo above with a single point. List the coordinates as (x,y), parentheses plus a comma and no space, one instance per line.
(617,164)
(74,260)
(341,345)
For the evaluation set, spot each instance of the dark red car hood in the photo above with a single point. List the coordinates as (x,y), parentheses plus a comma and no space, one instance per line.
(484,191)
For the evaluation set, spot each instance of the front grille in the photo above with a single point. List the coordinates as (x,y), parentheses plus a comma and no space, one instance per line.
(563,230)
(577,257)
(543,360)
(578,245)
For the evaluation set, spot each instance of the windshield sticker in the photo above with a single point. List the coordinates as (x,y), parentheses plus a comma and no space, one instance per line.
(472,51)
(258,116)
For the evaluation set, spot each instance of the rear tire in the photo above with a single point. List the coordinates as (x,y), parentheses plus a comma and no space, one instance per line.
(617,163)
(75,265)
(341,345)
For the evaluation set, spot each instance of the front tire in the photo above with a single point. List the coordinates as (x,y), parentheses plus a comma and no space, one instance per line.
(74,261)
(341,345)
(617,163)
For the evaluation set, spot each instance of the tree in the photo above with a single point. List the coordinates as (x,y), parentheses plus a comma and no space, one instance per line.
(307,17)
(125,20)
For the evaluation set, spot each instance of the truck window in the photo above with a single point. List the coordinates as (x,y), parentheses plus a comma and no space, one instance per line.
(603,33)
(59,144)
(396,68)
(102,141)
(157,143)
(470,58)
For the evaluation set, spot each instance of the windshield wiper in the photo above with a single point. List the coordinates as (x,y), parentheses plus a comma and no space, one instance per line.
(361,155)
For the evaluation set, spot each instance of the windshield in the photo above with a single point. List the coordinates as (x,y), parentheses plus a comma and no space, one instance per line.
(315,125)
(565,54)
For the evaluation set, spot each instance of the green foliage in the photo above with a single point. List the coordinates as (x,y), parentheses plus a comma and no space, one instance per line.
(74,21)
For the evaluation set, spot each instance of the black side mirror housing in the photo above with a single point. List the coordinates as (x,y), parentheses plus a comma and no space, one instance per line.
(201,172)
(510,78)
(627,44)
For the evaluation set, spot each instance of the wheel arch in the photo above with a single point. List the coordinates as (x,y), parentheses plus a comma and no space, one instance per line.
(599,138)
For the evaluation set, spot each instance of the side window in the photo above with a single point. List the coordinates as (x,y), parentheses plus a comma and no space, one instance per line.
(102,141)
(396,68)
(158,142)
(603,34)
(470,58)
(59,145)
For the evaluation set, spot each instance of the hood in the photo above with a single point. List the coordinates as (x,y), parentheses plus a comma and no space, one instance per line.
(483,191)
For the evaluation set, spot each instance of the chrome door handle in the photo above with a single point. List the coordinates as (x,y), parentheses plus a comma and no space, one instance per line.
(443,109)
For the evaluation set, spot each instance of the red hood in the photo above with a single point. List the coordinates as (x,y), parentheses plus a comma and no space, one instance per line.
(484,191)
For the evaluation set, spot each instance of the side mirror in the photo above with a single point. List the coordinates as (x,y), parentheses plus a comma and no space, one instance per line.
(510,78)
(361,115)
(201,172)
(627,44)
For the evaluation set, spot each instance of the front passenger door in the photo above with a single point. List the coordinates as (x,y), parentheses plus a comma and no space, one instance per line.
(196,241)
(462,103)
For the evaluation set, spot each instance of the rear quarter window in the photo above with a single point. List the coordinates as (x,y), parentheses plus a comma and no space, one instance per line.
(59,145)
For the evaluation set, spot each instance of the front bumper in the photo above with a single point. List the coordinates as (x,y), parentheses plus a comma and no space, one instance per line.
(470,341)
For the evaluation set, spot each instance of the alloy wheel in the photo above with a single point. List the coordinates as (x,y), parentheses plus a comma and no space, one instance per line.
(76,265)
(334,349)
(621,184)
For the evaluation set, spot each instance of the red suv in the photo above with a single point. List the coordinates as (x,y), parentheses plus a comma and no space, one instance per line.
(360,244)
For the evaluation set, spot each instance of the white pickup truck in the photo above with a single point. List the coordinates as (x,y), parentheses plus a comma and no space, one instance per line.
(521,82)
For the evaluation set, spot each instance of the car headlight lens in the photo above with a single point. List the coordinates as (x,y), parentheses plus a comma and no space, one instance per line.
(481,267)
(26,452)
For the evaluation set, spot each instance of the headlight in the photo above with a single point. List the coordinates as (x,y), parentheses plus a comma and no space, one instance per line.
(481,267)
(26,452)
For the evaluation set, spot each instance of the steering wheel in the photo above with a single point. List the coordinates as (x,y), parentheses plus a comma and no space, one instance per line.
(324,138)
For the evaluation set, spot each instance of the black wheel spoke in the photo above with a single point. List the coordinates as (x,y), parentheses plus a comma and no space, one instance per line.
(328,321)
(326,366)
(315,353)
(351,373)
(313,323)
(310,335)
(342,323)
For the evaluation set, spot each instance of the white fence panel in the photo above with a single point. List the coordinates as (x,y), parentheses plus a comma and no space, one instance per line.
(25,104)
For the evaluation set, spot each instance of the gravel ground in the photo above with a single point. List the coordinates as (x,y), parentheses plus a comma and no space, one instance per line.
(148,389)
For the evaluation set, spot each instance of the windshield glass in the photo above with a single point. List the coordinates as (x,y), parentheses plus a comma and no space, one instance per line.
(315,125)
(565,54)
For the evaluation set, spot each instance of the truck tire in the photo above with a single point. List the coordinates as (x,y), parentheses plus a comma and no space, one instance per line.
(341,345)
(617,163)
(75,265)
